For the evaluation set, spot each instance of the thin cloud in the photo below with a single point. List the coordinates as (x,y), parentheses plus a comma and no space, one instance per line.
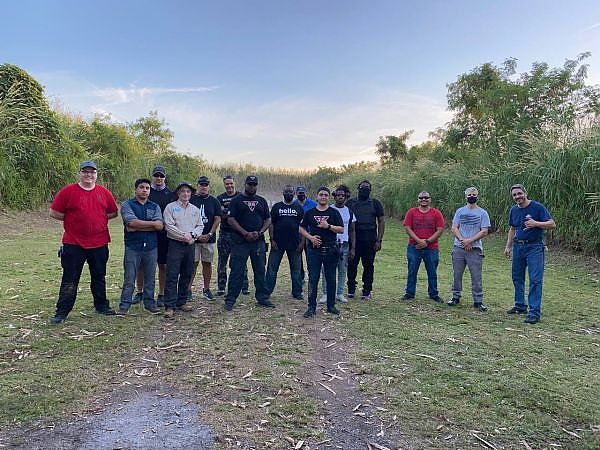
(128,95)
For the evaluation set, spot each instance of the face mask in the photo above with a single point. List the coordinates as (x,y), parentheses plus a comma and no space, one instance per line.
(471,200)
(301,197)
(363,193)
(288,197)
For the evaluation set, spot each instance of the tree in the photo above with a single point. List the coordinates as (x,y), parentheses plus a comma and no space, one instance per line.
(393,148)
(153,133)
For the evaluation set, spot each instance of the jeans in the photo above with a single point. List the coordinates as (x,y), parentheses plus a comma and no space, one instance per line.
(72,260)
(530,256)
(180,265)
(431,258)
(134,260)
(328,259)
(275,257)
(365,250)
(473,259)
(238,259)
(342,268)
(224,248)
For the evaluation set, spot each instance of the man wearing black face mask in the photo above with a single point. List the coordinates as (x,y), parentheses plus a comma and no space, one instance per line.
(469,226)
(369,229)
(285,220)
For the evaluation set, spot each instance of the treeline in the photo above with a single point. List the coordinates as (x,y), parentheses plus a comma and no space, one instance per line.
(539,128)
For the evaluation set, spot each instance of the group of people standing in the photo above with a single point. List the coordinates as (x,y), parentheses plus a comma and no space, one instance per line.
(527,220)
(177,231)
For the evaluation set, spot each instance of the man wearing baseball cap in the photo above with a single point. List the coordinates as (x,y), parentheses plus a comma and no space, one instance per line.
(249,218)
(85,209)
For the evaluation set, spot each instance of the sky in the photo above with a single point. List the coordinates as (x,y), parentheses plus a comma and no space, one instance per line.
(280,83)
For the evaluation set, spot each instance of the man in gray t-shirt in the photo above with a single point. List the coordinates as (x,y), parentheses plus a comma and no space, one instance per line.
(469,225)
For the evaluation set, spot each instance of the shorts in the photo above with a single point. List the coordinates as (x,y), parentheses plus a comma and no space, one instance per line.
(204,252)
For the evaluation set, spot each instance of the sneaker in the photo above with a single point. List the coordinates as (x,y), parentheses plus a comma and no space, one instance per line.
(137,298)
(323,298)
(228,306)
(340,298)
(351,294)
(532,319)
(454,301)
(407,297)
(245,291)
(122,312)
(160,301)
(57,319)
(207,294)
(266,304)
(106,312)
(186,308)
(221,292)
(151,309)
(367,296)
(437,299)
(169,313)
(515,310)
(480,306)
(189,297)
(333,310)
(309,313)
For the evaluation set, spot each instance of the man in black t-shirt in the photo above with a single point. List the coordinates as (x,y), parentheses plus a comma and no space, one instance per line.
(285,220)
(325,223)
(210,211)
(369,228)
(249,219)
(225,238)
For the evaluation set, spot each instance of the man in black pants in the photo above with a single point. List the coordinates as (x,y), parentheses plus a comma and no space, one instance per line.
(225,238)
(249,218)
(324,223)
(369,228)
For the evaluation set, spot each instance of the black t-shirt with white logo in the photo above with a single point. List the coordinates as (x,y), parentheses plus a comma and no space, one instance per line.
(250,212)
(209,207)
(286,219)
(313,217)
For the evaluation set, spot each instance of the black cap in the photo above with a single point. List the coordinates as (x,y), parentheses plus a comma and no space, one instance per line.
(184,183)
(251,179)
(301,190)
(159,169)
(203,180)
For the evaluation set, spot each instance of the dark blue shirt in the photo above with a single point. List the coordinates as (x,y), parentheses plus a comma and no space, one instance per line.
(140,240)
(517,217)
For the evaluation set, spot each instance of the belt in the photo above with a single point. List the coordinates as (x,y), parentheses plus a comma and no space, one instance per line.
(526,241)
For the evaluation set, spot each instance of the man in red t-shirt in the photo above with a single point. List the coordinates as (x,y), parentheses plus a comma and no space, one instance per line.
(424,225)
(85,209)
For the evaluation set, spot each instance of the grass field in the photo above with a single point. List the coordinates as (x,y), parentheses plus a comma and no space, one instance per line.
(444,377)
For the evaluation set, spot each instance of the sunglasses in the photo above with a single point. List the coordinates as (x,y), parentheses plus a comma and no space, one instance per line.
(424,198)
(159,175)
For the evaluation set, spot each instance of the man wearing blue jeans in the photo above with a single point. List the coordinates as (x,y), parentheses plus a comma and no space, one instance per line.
(142,220)
(527,219)
(285,220)
(324,223)
(469,226)
(346,245)
(424,225)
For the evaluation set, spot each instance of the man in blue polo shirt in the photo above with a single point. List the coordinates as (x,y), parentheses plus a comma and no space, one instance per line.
(142,219)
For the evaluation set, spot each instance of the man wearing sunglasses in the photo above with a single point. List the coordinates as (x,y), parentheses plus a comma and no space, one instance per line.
(469,226)
(424,225)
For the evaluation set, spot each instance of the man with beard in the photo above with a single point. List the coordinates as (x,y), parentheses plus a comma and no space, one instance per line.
(369,228)
(285,220)
(324,223)
(469,226)
(225,238)
(210,211)
(249,219)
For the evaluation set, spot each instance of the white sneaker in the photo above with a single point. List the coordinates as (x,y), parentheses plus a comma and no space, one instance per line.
(323,298)
(341,298)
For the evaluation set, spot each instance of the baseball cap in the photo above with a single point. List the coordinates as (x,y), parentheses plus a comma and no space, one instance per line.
(251,179)
(89,164)
(159,169)
(301,190)
(182,184)
(203,180)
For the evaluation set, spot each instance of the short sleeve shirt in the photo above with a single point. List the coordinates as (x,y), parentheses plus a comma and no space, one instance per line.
(250,212)
(424,224)
(209,208)
(285,220)
(518,216)
(313,217)
(470,221)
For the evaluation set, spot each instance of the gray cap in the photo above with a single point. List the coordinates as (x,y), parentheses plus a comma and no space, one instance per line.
(159,169)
